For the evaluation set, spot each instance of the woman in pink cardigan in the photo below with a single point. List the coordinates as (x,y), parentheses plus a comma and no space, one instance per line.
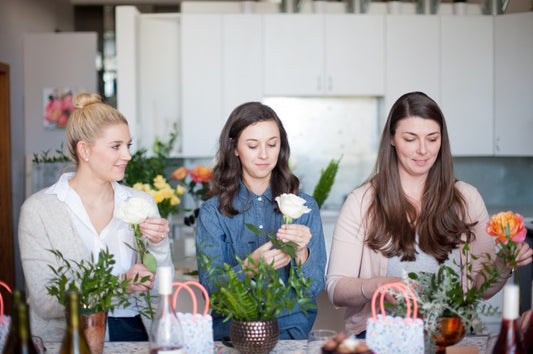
(411,214)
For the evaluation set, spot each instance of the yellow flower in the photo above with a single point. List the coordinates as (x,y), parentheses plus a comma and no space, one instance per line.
(161,183)
(167,193)
(139,186)
(180,189)
(174,200)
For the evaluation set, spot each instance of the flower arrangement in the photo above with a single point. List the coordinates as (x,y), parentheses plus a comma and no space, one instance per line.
(166,197)
(508,228)
(292,207)
(133,212)
(327,178)
(198,186)
(99,290)
(58,109)
(441,295)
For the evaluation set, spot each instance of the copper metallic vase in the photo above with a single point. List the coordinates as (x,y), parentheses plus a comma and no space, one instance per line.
(452,331)
(94,326)
(254,337)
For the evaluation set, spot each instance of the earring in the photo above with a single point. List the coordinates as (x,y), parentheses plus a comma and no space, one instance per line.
(87,159)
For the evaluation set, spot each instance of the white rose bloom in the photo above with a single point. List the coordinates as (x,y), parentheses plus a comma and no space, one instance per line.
(135,210)
(292,206)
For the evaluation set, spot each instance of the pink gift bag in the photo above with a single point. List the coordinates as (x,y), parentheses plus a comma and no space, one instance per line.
(401,335)
(5,321)
(197,328)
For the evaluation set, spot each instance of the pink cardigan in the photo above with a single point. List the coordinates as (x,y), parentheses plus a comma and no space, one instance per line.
(349,256)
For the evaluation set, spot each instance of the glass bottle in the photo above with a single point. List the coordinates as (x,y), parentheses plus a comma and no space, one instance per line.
(74,341)
(509,340)
(166,335)
(20,338)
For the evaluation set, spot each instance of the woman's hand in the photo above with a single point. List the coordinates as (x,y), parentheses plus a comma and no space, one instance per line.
(299,234)
(270,254)
(140,271)
(155,229)
(524,254)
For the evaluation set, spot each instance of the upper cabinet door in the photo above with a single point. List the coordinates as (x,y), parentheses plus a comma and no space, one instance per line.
(294,55)
(355,55)
(201,72)
(243,60)
(467,83)
(513,99)
(413,56)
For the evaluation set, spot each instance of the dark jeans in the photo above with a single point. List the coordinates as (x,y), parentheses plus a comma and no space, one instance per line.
(126,329)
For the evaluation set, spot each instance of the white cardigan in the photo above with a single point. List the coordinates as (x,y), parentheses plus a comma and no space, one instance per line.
(45,224)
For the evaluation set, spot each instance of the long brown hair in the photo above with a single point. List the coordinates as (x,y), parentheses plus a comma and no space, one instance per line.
(227,172)
(393,220)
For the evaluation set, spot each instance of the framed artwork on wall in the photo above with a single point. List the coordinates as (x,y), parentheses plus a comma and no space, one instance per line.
(57,107)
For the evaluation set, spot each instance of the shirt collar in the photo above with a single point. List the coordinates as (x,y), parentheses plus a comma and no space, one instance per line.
(245,193)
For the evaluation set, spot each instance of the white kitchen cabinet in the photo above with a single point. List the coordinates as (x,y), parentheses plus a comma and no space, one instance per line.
(242,60)
(467,83)
(513,98)
(413,56)
(201,72)
(221,68)
(323,55)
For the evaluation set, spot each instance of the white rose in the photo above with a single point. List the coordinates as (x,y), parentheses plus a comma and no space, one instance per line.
(135,210)
(292,206)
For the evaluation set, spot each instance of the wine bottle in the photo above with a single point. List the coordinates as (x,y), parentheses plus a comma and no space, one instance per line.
(509,340)
(74,341)
(166,335)
(20,338)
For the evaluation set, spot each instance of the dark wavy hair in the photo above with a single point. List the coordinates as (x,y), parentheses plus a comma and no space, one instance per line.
(227,172)
(393,219)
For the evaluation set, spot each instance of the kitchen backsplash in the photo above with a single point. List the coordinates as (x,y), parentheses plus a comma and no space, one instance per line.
(504,182)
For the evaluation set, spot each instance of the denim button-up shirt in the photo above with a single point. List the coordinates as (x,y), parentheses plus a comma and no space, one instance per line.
(222,238)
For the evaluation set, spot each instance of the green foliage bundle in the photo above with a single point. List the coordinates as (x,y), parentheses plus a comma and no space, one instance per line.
(327,178)
(46,157)
(99,290)
(441,295)
(143,169)
(256,292)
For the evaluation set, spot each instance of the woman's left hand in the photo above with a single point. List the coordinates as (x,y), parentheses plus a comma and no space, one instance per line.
(155,229)
(524,254)
(299,234)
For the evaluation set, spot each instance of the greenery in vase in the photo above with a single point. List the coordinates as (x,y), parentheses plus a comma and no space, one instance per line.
(46,157)
(256,292)
(327,178)
(99,289)
(441,294)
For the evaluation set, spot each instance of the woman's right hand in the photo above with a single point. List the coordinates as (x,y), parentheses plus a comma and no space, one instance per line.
(140,271)
(270,255)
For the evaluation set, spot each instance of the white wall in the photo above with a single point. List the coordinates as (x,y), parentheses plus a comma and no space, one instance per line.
(18,17)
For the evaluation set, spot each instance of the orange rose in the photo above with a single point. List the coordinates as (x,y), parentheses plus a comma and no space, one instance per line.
(201,174)
(507,226)
(180,173)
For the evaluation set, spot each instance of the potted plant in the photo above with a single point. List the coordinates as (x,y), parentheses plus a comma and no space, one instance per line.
(253,298)
(100,291)
(446,309)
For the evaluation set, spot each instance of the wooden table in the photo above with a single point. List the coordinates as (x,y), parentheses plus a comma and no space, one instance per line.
(283,346)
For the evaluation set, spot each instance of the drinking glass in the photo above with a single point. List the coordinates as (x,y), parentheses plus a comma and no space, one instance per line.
(317,338)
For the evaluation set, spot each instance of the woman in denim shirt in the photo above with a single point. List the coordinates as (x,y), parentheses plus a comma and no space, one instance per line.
(251,171)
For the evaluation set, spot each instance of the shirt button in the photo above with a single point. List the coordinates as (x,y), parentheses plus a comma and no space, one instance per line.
(261,226)
(259,198)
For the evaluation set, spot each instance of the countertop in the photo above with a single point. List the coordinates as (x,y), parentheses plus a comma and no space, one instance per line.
(283,346)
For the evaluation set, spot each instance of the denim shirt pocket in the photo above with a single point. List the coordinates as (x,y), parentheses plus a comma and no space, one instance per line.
(241,249)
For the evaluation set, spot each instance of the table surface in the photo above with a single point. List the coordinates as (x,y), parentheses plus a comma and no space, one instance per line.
(283,346)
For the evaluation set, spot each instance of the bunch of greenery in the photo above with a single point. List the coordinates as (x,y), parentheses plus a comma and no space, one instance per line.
(441,295)
(99,290)
(46,157)
(143,168)
(327,178)
(256,292)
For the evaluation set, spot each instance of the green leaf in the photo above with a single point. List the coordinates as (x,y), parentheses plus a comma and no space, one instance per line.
(150,262)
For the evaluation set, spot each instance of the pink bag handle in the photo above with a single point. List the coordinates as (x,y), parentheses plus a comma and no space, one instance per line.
(404,289)
(2,302)
(185,285)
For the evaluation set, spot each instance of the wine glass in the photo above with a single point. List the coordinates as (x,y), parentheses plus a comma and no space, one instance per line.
(317,338)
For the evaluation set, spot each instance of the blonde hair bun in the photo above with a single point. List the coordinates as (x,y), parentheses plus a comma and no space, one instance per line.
(85,99)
